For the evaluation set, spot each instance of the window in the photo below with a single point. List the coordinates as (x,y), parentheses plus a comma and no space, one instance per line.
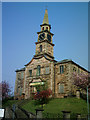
(61,88)
(74,69)
(30,73)
(46,28)
(19,76)
(47,70)
(17,89)
(43,28)
(78,70)
(38,70)
(40,48)
(22,75)
(20,91)
(61,69)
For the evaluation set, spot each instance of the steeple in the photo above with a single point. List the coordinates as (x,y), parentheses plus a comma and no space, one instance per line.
(45,25)
(44,44)
(45,20)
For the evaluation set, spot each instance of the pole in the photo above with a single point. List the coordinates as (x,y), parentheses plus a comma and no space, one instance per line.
(87,103)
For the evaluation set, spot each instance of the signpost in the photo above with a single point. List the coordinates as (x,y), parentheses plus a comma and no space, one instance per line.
(2,113)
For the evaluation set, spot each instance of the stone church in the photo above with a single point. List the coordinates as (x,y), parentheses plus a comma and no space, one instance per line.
(44,68)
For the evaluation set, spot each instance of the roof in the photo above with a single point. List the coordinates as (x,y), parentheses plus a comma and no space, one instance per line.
(45,20)
(64,61)
(22,69)
(70,60)
(45,41)
(40,56)
(45,31)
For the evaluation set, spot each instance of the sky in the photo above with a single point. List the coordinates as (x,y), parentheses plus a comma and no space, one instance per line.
(20,23)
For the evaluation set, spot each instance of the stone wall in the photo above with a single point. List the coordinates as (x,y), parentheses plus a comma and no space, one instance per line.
(54,78)
(43,76)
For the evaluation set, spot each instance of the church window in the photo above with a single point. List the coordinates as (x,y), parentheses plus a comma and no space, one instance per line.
(38,70)
(40,48)
(43,28)
(61,69)
(46,28)
(30,73)
(47,70)
(61,88)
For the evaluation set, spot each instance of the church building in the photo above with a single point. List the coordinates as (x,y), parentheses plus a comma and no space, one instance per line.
(43,68)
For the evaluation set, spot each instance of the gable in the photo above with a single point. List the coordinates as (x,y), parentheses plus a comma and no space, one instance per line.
(38,61)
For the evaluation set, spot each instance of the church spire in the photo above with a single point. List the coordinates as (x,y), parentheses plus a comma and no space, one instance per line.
(45,20)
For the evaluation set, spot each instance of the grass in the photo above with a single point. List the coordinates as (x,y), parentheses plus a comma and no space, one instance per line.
(56,106)
(70,104)
(9,103)
(30,106)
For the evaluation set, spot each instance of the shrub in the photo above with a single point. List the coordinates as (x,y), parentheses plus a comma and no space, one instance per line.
(42,96)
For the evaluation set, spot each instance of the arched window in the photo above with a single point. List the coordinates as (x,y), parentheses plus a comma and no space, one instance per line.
(40,48)
(42,28)
(38,69)
(46,28)
(61,69)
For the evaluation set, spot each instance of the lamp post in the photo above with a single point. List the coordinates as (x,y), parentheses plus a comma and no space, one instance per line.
(87,103)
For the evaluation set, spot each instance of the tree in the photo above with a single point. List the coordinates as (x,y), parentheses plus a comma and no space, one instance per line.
(42,94)
(5,90)
(82,81)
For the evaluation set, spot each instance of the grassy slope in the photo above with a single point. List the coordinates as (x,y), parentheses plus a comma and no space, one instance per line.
(57,105)
(9,103)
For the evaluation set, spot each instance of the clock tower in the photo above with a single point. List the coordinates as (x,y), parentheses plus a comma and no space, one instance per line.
(44,44)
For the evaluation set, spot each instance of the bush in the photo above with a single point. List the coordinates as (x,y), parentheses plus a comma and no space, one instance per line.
(42,96)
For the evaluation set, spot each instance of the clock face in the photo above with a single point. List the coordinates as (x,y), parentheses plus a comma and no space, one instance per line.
(42,36)
(49,37)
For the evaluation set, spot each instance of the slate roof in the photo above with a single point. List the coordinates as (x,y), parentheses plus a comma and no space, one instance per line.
(22,69)
(70,60)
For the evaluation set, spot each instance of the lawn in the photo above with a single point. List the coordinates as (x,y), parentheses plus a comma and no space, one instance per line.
(55,106)
(9,103)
